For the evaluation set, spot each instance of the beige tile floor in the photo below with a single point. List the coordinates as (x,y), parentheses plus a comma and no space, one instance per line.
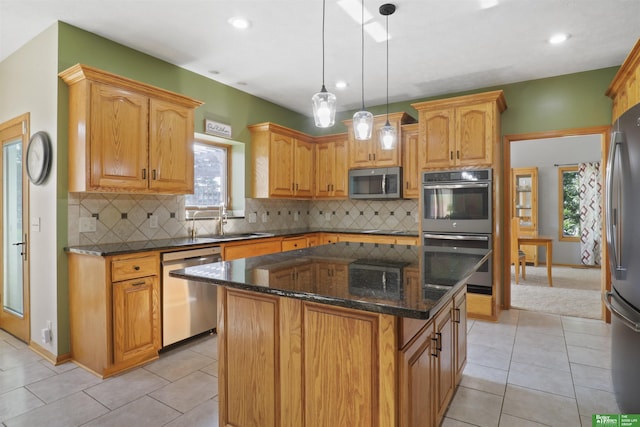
(529,369)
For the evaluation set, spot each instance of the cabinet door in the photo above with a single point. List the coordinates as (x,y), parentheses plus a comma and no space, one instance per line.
(460,333)
(340,183)
(410,160)
(360,155)
(474,135)
(303,169)
(136,318)
(416,382)
(170,147)
(281,165)
(118,132)
(324,169)
(385,158)
(445,370)
(437,131)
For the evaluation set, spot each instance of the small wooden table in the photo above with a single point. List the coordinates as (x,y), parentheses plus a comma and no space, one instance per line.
(539,241)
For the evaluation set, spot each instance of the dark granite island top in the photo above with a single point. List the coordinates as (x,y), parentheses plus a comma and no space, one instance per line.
(404,281)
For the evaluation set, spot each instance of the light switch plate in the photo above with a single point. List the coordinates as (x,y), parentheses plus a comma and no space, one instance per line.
(87,224)
(35,224)
(153,221)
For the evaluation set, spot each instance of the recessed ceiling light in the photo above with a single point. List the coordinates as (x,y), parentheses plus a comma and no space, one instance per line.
(341,84)
(558,38)
(487,4)
(239,22)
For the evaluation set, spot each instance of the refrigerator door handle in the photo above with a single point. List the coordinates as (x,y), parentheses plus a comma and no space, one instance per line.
(630,323)
(613,241)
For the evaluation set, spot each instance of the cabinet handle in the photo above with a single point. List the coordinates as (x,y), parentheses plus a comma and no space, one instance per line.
(456,315)
(374,157)
(293,186)
(458,154)
(438,341)
(451,155)
(153,174)
(296,187)
(328,187)
(136,267)
(435,347)
(407,185)
(369,156)
(144,174)
(137,283)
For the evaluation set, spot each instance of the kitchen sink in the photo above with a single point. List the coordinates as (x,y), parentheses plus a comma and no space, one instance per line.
(238,236)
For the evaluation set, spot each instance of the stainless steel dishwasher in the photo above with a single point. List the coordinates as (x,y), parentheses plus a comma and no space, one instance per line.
(188,307)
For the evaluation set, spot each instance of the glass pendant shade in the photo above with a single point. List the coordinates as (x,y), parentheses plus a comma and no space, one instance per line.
(362,125)
(388,136)
(324,108)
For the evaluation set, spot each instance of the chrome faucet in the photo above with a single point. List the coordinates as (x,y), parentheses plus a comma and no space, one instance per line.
(194,233)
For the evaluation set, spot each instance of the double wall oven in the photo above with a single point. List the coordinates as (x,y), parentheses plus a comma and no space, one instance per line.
(457,213)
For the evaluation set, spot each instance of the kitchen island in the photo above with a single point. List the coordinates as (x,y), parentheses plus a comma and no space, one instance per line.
(344,334)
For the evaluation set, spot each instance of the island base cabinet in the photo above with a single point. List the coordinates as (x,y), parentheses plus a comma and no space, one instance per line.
(291,362)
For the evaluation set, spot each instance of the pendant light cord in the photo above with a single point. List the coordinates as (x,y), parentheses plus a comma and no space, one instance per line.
(323,13)
(362,56)
(387,19)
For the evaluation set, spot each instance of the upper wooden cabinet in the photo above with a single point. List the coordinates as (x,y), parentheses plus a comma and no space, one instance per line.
(283,162)
(460,131)
(410,162)
(369,153)
(625,87)
(331,167)
(126,136)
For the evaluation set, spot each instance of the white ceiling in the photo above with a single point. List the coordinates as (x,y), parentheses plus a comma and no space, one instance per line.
(437,46)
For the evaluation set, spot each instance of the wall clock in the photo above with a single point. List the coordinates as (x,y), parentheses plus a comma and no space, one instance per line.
(38,157)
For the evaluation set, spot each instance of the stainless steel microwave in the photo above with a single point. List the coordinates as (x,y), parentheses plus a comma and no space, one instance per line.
(375,183)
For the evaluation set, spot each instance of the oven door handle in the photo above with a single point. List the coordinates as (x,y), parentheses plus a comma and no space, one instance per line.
(456,186)
(455,237)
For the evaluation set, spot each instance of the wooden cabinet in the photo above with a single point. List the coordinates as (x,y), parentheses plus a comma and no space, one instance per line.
(114,311)
(331,169)
(283,162)
(460,333)
(297,355)
(411,162)
(625,87)
(460,131)
(369,153)
(293,243)
(524,205)
(126,136)
(249,248)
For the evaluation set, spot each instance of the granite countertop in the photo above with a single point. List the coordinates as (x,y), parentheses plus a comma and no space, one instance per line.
(108,249)
(370,277)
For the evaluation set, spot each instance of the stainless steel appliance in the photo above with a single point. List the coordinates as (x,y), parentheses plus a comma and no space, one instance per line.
(375,183)
(457,201)
(435,262)
(188,307)
(623,242)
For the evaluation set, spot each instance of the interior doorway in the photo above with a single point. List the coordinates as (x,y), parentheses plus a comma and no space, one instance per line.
(602,133)
(14,202)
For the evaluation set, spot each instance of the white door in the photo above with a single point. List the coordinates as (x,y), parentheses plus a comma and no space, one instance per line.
(14,292)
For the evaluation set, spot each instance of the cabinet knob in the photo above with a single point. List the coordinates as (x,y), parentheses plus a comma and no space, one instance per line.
(136,267)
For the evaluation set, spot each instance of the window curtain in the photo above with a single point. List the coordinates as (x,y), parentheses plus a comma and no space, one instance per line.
(590,181)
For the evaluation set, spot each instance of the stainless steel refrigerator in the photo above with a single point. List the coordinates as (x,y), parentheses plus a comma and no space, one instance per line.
(622,216)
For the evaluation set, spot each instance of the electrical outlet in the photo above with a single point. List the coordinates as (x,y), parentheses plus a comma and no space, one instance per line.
(327,216)
(296,216)
(253,218)
(265,217)
(153,221)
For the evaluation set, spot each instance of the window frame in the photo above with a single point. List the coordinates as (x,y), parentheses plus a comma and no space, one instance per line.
(190,209)
(561,171)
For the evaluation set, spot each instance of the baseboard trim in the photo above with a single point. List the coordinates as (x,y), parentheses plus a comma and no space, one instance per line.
(50,357)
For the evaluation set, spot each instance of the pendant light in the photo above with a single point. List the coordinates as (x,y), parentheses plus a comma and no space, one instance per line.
(362,120)
(388,134)
(324,103)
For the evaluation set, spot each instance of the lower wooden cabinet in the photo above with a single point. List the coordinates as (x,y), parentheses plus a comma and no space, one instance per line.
(114,311)
(460,333)
(249,248)
(290,362)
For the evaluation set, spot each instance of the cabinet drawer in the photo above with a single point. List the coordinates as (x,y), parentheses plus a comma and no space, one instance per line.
(124,269)
(294,243)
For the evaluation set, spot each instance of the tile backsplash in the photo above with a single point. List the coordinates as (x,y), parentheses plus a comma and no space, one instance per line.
(115,218)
